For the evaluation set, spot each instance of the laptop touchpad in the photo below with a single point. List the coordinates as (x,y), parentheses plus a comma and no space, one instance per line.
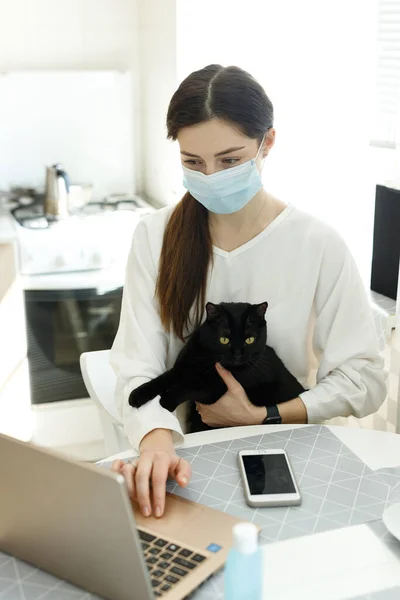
(177,516)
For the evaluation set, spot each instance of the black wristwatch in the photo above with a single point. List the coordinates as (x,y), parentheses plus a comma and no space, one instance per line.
(273,417)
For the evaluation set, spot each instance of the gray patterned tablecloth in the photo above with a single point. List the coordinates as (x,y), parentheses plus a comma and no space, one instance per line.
(337,489)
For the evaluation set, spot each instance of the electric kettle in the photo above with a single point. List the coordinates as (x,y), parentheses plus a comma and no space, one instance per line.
(56,192)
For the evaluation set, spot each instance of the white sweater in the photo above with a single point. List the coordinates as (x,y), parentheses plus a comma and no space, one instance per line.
(319,318)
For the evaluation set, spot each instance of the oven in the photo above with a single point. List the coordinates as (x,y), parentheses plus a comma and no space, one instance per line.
(61,324)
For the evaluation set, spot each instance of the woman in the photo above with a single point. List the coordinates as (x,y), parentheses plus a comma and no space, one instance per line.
(230,240)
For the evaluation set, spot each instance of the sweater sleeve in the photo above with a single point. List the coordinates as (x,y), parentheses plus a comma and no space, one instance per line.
(140,347)
(350,377)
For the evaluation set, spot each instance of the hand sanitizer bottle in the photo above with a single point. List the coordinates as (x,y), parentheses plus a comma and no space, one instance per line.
(243,569)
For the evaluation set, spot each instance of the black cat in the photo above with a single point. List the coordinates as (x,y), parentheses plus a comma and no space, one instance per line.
(235,335)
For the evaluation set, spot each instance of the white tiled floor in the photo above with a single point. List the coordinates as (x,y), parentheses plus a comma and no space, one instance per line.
(73,427)
(388,304)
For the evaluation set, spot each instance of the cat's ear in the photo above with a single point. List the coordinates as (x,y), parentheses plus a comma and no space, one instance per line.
(261,309)
(212,310)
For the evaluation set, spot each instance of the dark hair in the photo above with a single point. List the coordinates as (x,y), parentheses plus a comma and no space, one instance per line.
(232,95)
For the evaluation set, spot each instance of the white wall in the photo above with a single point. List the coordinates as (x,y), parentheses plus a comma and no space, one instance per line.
(72,34)
(67,34)
(316,61)
(158,61)
(82,119)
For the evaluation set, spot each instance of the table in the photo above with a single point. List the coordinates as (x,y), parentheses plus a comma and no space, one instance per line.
(332,500)
(377,449)
(375,563)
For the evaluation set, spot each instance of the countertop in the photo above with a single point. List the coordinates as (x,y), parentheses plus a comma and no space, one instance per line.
(8,231)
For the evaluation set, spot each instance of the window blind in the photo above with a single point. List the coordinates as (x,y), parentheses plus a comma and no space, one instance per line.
(387,119)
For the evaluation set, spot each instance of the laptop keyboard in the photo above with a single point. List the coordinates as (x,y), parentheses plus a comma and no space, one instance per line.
(167,563)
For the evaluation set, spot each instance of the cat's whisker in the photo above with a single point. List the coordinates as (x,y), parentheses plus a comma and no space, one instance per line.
(256,365)
(260,361)
(252,362)
(253,369)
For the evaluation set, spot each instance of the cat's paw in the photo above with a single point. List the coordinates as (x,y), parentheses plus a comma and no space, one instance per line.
(141,396)
(168,401)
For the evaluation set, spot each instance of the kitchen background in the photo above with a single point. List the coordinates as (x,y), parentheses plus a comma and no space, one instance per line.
(86,83)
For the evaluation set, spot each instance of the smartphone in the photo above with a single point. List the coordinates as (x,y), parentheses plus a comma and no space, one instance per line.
(268,478)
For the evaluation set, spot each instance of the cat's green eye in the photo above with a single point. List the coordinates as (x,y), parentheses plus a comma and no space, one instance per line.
(250,340)
(224,340)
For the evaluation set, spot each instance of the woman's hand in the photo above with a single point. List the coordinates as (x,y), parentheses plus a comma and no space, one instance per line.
(157,462)
(233,408)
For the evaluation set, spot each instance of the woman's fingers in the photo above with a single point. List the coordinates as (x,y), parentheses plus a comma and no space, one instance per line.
(159,481)
(152,467)
(142,482)
(116,465)
(206,411)
(182,472)
(203,410)
(231,383)
(128,471)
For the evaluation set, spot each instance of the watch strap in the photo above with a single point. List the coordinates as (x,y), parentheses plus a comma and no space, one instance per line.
(273,416)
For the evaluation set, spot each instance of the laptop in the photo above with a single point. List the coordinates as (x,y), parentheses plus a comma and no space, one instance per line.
(76,520)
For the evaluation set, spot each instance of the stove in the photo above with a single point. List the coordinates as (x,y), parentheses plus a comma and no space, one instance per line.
(96,238)
(32,216)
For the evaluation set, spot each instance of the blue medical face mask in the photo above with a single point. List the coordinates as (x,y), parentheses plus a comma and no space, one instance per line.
(226,191)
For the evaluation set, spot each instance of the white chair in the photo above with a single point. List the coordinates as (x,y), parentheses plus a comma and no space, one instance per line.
(100,381)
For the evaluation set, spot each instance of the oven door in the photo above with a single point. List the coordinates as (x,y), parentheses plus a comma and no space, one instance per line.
(61,324)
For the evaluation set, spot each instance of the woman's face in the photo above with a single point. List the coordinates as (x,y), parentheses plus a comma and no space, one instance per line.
(215,145)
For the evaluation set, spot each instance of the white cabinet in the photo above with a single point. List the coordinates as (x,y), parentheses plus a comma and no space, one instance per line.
(12,320)
(15,410)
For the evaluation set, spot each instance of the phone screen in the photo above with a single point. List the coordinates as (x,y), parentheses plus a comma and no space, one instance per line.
(268,474)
